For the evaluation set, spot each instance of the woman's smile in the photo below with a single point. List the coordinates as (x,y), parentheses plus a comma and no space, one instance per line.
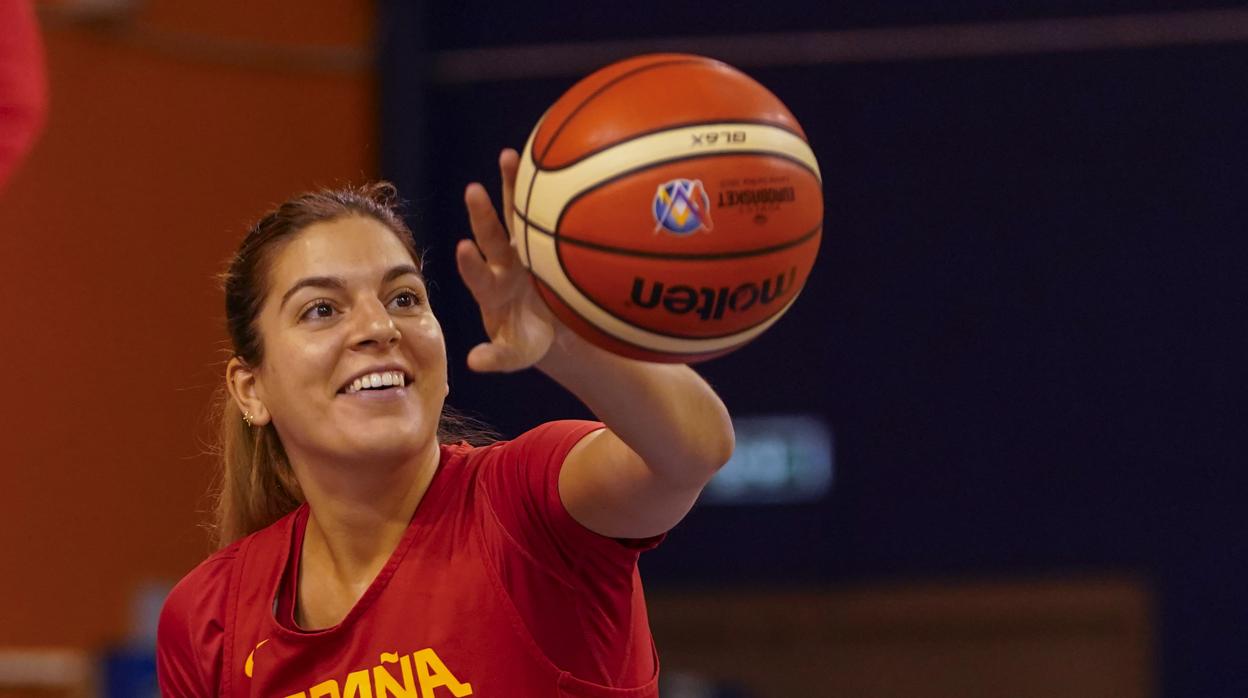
(378,395)
(376,380)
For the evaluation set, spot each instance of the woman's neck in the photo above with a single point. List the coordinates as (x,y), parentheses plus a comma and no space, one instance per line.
(359,512)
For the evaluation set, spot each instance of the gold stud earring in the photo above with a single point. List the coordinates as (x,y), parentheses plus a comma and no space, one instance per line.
(247,418)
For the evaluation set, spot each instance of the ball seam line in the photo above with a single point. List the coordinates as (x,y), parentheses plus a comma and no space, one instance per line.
(672,127)
(681,256)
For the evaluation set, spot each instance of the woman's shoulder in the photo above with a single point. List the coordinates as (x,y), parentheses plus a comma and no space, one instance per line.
(191,633)
(203,590)
(190,637)
(554,436)
(526,464)
(207,582)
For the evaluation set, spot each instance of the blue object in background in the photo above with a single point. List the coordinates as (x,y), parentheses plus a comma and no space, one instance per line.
(779,459)
(676,684)
(129,670)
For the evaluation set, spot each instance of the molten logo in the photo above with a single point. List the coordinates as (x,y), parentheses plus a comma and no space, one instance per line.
(711,303)
(681,207)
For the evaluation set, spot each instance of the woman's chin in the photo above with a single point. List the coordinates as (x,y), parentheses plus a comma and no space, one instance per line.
(387,440)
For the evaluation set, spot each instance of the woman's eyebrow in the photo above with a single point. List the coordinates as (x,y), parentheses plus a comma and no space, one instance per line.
(401,270)
(315,281)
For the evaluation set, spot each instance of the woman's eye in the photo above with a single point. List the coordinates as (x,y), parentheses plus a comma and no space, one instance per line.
(405,299)
(319,310)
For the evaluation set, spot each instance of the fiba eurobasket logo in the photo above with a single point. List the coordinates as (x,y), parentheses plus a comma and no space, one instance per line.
(681,207)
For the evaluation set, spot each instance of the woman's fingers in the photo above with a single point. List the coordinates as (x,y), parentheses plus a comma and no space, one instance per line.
(483,358)
(475,271)
(490,235)
(498,282)
(508,164)
(496,357)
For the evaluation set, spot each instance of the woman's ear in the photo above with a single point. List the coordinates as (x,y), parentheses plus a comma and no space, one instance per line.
(240,380)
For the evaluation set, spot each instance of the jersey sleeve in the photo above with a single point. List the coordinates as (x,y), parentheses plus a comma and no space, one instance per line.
(522,485)
(577,593)
(23,91)
(191,635)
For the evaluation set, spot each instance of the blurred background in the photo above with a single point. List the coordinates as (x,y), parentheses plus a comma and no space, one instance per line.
(991,451)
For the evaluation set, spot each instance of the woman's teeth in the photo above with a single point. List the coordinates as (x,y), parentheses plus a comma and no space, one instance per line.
(380,379)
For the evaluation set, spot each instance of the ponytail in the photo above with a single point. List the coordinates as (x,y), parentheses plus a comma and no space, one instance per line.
(257,485)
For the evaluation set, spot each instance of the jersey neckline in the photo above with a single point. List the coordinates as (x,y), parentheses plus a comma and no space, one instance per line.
(293,535)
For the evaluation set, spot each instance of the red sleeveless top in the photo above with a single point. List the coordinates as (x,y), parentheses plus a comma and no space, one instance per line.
(494,590)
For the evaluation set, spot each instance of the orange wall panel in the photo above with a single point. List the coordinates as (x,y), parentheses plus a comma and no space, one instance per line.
(152,163)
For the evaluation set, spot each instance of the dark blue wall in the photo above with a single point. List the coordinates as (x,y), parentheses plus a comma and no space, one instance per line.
(1024,326)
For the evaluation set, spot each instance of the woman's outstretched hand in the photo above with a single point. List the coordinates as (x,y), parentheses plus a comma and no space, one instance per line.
(667,432)
(520,326)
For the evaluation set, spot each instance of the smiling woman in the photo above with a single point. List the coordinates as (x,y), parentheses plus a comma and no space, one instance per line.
(258,486)
(367,547)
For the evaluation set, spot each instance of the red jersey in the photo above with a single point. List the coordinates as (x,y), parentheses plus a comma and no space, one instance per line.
(493,590)
(23,93)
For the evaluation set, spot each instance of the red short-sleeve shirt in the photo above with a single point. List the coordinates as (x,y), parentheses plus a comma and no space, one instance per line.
(494,590)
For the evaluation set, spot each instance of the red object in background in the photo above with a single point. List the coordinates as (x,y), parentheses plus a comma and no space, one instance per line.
(23,88)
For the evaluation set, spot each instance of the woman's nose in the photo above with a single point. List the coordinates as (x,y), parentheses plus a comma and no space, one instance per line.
(375,326)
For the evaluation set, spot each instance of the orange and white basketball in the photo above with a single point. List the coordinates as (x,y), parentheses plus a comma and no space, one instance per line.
(669,207)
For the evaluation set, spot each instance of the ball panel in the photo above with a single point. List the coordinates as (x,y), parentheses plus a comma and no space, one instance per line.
(525,175)
(689,299)
(587,89)
(546,267)
(579,325)
(664,94)
(707,205)
(551,190)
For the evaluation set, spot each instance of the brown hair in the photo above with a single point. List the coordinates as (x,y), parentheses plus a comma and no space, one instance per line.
(257,485)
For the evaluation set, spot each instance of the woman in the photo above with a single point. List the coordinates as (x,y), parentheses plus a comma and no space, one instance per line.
(364,557)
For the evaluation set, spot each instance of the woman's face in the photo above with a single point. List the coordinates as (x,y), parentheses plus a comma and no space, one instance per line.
(347,313)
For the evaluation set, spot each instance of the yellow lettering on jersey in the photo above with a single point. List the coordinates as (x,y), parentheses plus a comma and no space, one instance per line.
(385,682)
(422,672)
(358,685)
(433,673)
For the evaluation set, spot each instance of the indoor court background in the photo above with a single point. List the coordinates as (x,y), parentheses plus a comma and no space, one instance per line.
(1024,329)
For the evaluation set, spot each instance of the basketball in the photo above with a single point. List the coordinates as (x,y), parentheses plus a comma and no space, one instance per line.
(669,208)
